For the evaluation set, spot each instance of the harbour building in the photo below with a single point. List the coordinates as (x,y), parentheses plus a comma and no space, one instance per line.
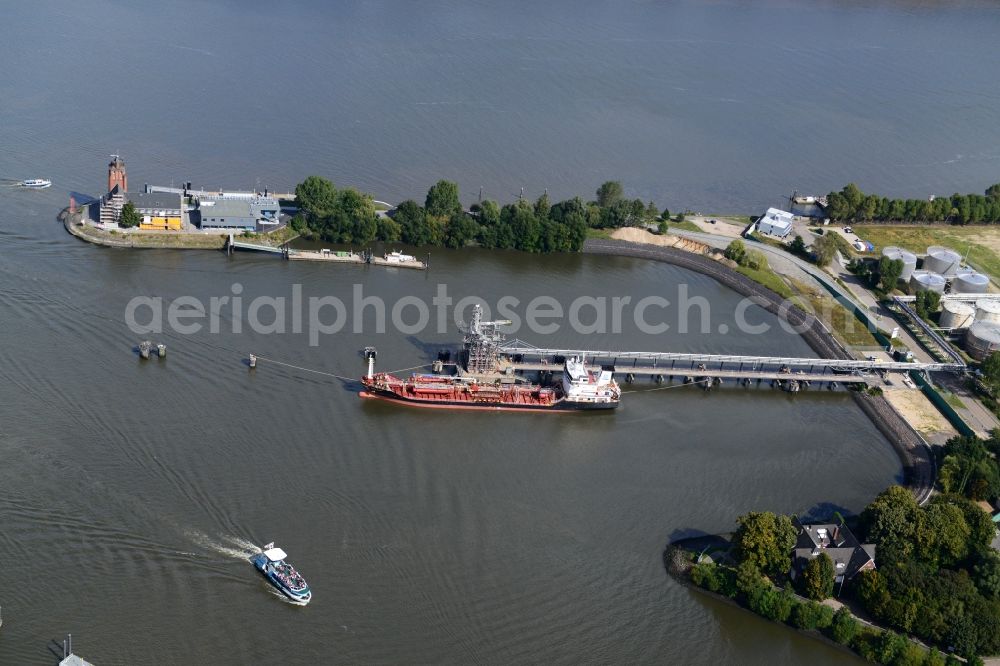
(237,211)
(159,210)
(775,222)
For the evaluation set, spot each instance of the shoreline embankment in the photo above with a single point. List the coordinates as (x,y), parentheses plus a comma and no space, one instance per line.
(176,240)
(919,470)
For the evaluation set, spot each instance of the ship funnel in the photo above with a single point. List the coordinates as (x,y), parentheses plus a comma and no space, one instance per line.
(370,354)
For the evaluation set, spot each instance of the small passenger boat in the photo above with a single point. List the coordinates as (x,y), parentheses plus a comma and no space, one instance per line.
(36,183)
(271,562)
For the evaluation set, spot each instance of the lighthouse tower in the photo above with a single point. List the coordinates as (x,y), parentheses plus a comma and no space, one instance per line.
(116,174)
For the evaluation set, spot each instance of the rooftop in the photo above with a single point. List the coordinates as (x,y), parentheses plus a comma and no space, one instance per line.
(155,200)
(848,554)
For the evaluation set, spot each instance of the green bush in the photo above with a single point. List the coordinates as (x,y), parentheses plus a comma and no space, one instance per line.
(844,627)
(807,615)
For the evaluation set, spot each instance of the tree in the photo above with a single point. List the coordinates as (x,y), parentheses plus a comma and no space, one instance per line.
(797,246)
(890,521)
(412,219)
(943,541)
(442,199)
(889,271)
(609,192)
(926,302)
(665,214)
(765,540)
(662,226)
(825,248)
(844,627)
(736,251)
(991,369)
(818,577)
(807,615)
(986,575)
(756,260)
(315,196)
(543,207)
(461,229)
(389,229)
(651,212)
(129,216)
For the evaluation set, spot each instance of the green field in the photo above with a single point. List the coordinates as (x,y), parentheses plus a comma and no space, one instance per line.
(982,243)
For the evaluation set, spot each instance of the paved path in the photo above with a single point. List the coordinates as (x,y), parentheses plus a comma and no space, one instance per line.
(788,264)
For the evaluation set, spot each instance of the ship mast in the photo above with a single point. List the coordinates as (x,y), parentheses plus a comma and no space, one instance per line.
(482,343)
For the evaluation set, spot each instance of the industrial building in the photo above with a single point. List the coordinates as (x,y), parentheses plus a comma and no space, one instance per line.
(159,210)
(942,260)
(775,222)
(921,280)
(236,211)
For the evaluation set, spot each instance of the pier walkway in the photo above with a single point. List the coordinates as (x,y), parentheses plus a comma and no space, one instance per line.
(519,356)
(234,244)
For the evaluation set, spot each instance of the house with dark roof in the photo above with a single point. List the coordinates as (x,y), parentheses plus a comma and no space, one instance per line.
(850,557)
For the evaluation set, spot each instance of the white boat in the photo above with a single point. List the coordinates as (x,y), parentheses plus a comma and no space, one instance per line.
(397,257)
(36,183)
(271,563)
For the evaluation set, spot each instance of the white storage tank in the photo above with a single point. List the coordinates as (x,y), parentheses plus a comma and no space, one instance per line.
(982,339)
(942,260)
(968,281)
(988,311)
(956,314)
(926,281)
(908,258)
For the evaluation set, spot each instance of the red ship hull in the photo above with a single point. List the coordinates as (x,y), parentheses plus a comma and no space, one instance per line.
(446,393)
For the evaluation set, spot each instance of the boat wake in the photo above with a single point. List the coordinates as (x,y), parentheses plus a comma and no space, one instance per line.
(230,546)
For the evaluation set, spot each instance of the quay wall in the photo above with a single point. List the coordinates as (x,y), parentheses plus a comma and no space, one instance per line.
(150,240)
(915,455)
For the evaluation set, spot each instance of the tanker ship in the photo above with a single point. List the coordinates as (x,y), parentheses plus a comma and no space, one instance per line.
(482,387)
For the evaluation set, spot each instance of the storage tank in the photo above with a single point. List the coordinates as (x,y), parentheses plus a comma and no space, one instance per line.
(942,260)
(988,311)
(926,281)
(982,339)
(908,258)
(956,314)
(968,281)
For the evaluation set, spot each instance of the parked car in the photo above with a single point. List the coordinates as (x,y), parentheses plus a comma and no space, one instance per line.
(848,230)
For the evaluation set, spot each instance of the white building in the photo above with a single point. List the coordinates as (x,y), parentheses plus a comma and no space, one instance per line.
(775,222)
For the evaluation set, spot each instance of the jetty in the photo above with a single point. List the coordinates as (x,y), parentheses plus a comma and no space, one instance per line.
(342,256)
(518,356)
(233,243)
(393,259)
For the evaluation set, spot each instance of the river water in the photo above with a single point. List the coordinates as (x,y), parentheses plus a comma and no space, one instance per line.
(131,492)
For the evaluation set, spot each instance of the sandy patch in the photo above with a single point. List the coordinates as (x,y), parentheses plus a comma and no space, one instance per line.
(724,226)
(920,413)
(636,235)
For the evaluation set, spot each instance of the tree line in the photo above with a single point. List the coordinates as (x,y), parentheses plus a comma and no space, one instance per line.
(850,204)
(348,216)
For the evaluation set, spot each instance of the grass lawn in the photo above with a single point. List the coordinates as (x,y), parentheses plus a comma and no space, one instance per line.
(599,233)
(684,226)
(981,242)
(848,328)
(769,279)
